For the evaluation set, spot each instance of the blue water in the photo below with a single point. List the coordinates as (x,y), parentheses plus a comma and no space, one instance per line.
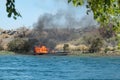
(21,67)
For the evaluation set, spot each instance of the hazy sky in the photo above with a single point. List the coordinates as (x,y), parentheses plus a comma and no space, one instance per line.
(31,10)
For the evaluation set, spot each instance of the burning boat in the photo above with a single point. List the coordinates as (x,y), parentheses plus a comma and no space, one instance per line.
(38,50)
(43,50)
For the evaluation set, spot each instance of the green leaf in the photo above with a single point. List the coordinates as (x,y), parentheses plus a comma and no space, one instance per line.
(10,9)
(14,17)
(69,1)
(9,15)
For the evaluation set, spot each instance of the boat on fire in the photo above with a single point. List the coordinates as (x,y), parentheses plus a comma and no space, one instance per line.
(43,50)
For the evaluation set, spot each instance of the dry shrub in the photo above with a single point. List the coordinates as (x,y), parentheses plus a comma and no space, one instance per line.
(59,47)
(110,48)
(72,47)
(4,36)
(83,48)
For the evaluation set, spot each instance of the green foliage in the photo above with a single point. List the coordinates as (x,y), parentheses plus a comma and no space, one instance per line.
(118,39)
(76,2)
(6,52)
(11,10)
(105,11)
(96,45)
(19,45)
(66,47)
(119,46)
(1,48)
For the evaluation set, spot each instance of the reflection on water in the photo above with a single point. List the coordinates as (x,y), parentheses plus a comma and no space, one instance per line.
(19,67)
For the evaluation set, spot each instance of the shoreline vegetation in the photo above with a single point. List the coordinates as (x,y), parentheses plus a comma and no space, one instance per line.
(6,53)
(80,42)
(97,54)
(72,53)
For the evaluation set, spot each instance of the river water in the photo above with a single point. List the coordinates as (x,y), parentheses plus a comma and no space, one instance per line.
(21,67)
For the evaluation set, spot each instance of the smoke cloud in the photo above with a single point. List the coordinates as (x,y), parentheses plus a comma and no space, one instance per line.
(70,17)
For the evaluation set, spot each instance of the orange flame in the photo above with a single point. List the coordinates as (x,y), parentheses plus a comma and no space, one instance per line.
(41,50)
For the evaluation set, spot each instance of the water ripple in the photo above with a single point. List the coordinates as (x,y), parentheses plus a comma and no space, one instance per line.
(20,67)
